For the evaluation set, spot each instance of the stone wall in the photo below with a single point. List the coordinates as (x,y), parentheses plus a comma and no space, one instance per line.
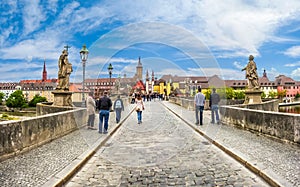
(281,125)
(270,105)
(22,135)
(263,117)
(48,108)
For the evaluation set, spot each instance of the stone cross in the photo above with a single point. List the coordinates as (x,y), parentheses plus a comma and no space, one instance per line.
(67,47)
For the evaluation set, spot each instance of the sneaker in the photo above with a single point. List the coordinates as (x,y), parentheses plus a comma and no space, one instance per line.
(105,132)
(93,128)
(99,132)
(197,123)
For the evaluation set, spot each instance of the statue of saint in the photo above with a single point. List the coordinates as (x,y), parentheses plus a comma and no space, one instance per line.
(65,69)
(251,74)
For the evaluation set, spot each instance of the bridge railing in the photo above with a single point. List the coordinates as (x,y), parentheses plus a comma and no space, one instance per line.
(22,135)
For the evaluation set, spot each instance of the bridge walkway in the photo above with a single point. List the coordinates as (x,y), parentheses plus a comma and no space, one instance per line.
(44,165)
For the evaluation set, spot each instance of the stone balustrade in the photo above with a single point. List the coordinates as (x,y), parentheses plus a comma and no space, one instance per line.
(22,135)
(263,118)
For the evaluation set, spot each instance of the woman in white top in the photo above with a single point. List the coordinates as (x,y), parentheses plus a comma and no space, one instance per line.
(139,108)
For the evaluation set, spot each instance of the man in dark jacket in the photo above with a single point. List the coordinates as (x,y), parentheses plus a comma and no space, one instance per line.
(214,106)
(104,108)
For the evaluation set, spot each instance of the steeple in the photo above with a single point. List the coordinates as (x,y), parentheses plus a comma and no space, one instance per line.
(264,74)
(152,76)
(44,72)
(147,76)
(139,70)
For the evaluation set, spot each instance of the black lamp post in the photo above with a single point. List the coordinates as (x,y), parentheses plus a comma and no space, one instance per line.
(84,55)
(110,68)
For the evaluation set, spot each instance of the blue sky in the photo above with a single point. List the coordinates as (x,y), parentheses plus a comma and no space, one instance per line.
(182,37)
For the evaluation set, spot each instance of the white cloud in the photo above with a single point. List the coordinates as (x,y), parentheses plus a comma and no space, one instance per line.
(33,15)
(293,51)
(293,64)
(238,65)
(296,74)
(221,25)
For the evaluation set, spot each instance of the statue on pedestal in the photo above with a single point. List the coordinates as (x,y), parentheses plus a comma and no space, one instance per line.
(251,74)
(62,95)
(65,69)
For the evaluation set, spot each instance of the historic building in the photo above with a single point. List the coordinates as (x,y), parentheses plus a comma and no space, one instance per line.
(8,88)
(42,87)
(284,83)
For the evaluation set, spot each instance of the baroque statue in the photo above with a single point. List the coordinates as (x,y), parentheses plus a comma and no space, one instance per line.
(251,74)
(65,69)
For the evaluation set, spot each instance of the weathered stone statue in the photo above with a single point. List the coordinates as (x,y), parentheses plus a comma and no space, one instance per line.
(65,69)
(251,74)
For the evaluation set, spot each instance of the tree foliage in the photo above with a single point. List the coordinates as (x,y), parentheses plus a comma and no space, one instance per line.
(16,100)
(239,94)
(272,94)
(1,97)
(37,99)
(281,93)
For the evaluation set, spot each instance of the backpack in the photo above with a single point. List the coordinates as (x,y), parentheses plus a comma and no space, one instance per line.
(118,104)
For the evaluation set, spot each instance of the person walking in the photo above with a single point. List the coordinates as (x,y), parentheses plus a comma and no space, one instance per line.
(90,106)
(104,108)
(214,106)
(118,108)
(199,102)
(139,108)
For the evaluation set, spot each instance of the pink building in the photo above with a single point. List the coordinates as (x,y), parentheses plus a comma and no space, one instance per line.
(286,83)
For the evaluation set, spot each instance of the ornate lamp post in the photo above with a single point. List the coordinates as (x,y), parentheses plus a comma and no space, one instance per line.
(110,68)
(84,55)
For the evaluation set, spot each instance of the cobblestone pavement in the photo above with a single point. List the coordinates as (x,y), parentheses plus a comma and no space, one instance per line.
(279,160)
(162,151)
(35,167)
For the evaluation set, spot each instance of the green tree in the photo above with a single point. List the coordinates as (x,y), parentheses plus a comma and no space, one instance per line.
(226,93)
(272,94)
(207,94)
(263,95)
(281,94)
(37,99)
(16,100)
(1,97)
(239,94)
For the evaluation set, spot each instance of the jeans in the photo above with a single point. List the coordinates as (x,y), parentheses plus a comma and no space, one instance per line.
(91,120)
(214,110)
(118,114)
(139,116)
(199,109)
(103,114)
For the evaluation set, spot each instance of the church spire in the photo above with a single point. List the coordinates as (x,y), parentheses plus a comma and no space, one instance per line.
(152,75)
(139,70)
(147,76)
(44,78)
(264,74)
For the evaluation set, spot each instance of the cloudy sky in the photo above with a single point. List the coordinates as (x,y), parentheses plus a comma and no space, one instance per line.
(182,37)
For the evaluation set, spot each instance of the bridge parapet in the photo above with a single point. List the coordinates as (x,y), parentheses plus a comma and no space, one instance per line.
(281,125)
(22,135)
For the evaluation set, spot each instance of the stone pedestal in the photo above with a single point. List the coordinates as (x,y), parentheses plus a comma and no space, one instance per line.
(252,97)
(62,98)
